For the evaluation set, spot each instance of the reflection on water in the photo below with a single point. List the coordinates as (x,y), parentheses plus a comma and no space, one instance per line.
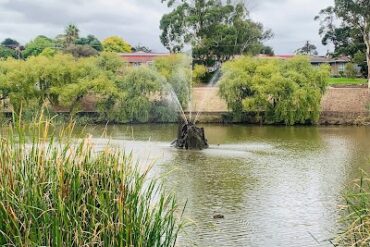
(276,186)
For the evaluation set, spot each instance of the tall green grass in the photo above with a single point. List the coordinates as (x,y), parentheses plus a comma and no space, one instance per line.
(356,214)
(57,191)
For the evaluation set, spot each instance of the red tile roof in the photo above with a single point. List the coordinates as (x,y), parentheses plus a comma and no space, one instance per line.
(141,57)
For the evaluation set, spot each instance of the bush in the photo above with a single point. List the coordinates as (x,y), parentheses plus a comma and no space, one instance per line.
(350,70)
(62,193)
(199,73)
(280,91)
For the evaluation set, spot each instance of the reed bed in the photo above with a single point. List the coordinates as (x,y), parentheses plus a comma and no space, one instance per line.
(356,215)
(57,191)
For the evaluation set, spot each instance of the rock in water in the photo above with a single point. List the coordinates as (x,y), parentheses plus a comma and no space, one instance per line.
(190,136)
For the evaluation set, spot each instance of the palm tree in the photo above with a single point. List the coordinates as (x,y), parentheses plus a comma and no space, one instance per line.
(71,34)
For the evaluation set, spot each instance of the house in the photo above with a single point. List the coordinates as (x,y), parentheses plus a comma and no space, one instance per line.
(337,65)
(139,58)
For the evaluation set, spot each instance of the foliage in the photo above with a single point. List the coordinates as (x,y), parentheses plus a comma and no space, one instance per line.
(354,31)
(6,52)
(91,41)
(350,70)
(116,44)
(267,50)
(142,48)
(139,85)
(63,193)
(109,61)
(216,31)
(287,91)
(37,46)
(121,93)
(59,80)
(176,69)
(307,49)
(356,217)
(199,73)
(81,50)
(10,43)
(71,34)
(48,52)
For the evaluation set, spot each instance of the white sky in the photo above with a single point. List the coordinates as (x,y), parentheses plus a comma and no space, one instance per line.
(137,21)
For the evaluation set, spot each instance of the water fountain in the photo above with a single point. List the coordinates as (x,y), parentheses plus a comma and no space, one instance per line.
(189,136)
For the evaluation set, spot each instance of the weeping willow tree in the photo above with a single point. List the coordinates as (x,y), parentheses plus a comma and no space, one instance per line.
(177,71)
(279,91)
(140,85)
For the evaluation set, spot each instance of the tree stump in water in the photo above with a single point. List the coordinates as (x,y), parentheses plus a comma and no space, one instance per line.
(190,136)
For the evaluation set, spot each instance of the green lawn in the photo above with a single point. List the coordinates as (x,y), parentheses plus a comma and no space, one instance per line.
(347,81)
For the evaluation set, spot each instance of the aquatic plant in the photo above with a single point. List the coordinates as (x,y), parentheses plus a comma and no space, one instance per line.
(356,215)
(58,191)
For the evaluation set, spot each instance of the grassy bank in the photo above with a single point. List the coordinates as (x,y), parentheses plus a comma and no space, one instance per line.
(346,81)
(56,191)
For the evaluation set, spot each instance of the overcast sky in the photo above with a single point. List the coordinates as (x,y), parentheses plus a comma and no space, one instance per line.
(138,20)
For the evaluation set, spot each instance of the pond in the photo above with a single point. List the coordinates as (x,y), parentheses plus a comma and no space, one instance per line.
(275,186)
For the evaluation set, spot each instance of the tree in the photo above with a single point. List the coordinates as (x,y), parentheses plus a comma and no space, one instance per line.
(346,40)
(6,52)
(199,73)
(116,44)
(36,46)
(111,62)
(216,31)
(59,80)
(10,43)
(18,84)
(141,48)
(354,17)
(176,69)
(71,34)
(279,91)
(267,50)
(48,52)
(90,40)
(138,85)
(14,45)
(81,50)
(307,49)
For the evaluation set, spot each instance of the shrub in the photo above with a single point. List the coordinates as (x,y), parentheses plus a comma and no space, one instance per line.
(286,91)
(350,70)
(199,73)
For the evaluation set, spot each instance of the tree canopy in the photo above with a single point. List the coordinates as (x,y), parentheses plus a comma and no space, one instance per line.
(122,93)
(307,49)
(116,44)
(216,31)
(10,43)
(278,91)
(36,46)
(91,41)
(353,33)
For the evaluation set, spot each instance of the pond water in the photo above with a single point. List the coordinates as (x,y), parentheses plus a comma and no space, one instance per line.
(275,186)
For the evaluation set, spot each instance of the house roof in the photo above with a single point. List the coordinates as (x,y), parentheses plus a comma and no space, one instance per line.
(141,57)
(313,59)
